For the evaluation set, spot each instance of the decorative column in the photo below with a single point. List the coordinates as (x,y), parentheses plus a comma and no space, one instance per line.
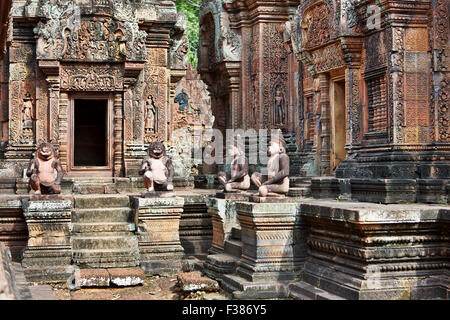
(233,70)
(63,129)
(324,105)
(118,135)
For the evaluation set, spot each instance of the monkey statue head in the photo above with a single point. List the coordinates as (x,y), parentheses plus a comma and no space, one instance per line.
(45,151)
(156,150)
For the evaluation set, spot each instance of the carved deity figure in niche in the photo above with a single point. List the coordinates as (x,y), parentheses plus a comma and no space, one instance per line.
(279,107)
(27,117)
(150,116)
(41,171)
(154,168)
(183,100)
(238,178)
(276,182)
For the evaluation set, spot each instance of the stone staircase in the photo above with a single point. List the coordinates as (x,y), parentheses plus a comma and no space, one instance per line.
(303,291)
(103,232)
(292,151)
(217,265)
(94,185)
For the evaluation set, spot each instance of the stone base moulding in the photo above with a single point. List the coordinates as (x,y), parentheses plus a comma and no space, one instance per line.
(158,221)
(363,251)
(48,253)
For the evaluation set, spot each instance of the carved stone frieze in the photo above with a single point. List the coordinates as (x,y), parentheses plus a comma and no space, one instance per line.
(88,77)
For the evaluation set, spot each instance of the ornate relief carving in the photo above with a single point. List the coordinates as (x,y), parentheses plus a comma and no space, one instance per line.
(27,119)
(328,58)
(230,44)
(275,75)
(88,77)
(180,44)
(397,74)
(316,28)
(64,35)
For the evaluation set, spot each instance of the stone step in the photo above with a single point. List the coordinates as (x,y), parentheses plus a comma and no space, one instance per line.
(299,181)
(233,247)
(303,291)
(109,262)
(236,234)
(102,201)
(106,215)
(110,258)
(299,192)
(103,227)
(221,263)
(107,188)
(104,242)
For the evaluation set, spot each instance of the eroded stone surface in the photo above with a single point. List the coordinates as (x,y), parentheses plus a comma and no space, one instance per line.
(124,277)
(94,278)
(194,281)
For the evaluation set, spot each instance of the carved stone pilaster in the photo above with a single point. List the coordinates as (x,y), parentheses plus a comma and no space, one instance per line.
(325,115)
(63,129)
(118,135)
(353,107)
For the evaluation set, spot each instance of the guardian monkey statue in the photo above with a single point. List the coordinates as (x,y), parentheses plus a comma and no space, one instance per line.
(276,182)
(154,166)
(238,178)
(41,171)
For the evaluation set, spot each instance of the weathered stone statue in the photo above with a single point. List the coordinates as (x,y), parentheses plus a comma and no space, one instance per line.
(183,100)
(41,171)
(154,167)
(276,182)
(238,178)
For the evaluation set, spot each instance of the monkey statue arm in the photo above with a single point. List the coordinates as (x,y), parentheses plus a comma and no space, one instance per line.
(144,166)
(283,173)
(32,167)
(243,170)
(59,169)
(169,167)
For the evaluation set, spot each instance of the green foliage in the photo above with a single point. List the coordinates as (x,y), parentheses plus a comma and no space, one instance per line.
(191,8)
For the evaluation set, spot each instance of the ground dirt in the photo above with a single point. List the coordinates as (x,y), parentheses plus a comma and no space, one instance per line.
(154,288)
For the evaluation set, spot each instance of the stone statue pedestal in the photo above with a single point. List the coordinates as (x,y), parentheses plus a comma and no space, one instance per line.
(158,221)
(48,254)
(272,249)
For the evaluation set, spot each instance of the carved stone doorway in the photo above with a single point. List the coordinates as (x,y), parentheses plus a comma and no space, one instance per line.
(90,136)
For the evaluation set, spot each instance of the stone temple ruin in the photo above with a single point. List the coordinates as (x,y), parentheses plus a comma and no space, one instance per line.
(358,89)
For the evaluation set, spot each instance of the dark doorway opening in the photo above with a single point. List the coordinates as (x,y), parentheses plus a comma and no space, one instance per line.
(90,133)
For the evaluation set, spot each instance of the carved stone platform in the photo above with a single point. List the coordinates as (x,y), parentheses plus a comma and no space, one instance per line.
(233,195)
(158,233)
(369,251)
(271,199)
(47,256)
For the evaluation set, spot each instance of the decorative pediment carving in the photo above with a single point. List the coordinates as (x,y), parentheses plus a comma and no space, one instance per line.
(66,35)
